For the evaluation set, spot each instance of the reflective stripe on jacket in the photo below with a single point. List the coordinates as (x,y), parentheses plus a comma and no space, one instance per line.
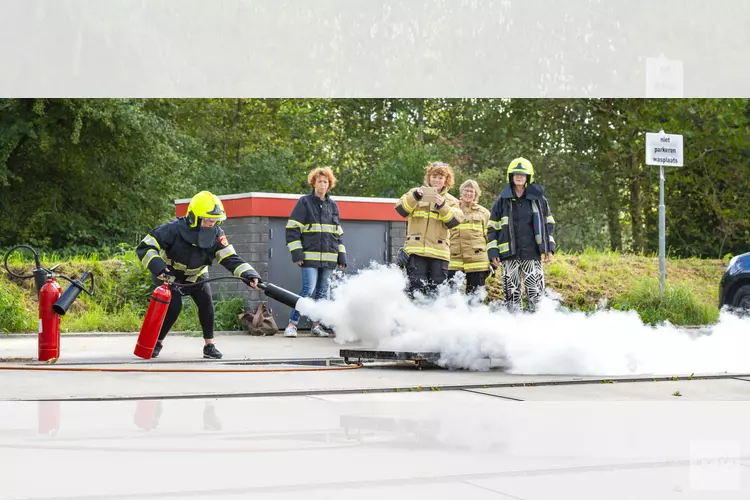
(501,241)
(172,246)
(428,227)
(469,241)
(314,232)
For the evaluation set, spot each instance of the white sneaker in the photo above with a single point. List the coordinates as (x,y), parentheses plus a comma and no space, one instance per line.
(290,331)
(318,331)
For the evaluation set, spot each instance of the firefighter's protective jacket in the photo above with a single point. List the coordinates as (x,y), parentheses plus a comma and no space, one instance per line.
(314,234)
(428,229)
(469,241)
(173,247)
(502,242)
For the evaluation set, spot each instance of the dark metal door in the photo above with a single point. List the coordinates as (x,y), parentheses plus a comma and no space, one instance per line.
(365,242)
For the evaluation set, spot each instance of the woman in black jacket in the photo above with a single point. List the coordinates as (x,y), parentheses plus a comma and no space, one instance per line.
(519,238)
(313,236)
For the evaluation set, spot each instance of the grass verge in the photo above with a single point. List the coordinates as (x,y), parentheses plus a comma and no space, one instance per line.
(631,282)
(585,281)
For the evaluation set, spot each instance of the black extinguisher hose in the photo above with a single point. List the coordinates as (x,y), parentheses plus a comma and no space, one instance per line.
(269,289)
(41,274)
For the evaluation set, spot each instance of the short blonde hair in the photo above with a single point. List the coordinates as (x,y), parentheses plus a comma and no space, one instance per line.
(324,171)
(472,184)
(437,167)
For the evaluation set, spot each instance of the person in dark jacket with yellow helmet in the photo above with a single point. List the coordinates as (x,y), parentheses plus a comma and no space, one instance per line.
(520,235)
(183,249)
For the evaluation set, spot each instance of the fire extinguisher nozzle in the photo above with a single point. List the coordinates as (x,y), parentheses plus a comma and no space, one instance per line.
(70,295)
(66,300)
(280,294)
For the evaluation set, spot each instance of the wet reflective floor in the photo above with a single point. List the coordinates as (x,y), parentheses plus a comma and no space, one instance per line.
(439,444)
(373,432)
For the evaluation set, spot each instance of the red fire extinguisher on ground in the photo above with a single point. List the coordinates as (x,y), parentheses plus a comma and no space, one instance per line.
(53,303)
(49,321)
(151,326)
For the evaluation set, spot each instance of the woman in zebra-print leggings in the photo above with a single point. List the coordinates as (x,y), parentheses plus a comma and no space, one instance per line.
(520,235)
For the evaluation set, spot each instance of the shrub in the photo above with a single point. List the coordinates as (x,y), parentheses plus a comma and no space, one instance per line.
(15,315)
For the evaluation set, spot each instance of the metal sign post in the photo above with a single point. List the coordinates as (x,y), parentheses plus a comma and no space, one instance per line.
(663,149)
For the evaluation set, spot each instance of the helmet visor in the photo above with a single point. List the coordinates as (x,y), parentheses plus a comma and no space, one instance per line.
(216,213)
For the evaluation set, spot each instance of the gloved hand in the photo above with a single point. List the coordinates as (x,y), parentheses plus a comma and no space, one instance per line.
(252,278)
(167,275)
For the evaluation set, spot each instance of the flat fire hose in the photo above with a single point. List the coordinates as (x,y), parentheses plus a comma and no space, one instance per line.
(174,370)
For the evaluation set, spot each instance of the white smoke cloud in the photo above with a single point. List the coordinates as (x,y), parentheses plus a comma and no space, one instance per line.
(371,309)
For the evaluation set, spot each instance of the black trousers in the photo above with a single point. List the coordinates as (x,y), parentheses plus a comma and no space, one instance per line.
(425,274)
(474,279)
(201,295)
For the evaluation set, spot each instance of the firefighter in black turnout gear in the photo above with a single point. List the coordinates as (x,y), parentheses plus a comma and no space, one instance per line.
(519,236)
(183,249)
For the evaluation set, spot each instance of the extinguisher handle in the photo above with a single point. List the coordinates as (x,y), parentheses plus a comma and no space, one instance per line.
(167,278)
(78,283)
(83,277)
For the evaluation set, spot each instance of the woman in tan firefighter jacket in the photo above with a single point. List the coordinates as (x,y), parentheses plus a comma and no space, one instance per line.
(428,230)
(469,239)
(314,238)
(520,235)
(183,248)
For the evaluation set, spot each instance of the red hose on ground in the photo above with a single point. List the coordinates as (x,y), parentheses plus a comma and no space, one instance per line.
(178,370)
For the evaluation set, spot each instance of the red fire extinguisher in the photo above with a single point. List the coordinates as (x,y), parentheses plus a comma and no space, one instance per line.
(151,326)
(147,413)
(49,321)
(48,417)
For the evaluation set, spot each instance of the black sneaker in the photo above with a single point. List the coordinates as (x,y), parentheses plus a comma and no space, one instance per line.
(157,350)
(210,351)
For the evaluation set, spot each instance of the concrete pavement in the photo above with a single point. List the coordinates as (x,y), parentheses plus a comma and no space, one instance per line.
(298,356)
(379,431)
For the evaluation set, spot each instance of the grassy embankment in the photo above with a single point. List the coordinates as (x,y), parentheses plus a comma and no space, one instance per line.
(585,281)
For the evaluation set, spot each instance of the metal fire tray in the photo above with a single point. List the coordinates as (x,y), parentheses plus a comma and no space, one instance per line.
(421,359)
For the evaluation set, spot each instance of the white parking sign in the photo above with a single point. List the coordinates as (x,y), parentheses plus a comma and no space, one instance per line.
(664,149)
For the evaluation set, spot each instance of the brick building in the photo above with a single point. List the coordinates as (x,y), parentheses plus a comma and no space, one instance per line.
(255,225)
